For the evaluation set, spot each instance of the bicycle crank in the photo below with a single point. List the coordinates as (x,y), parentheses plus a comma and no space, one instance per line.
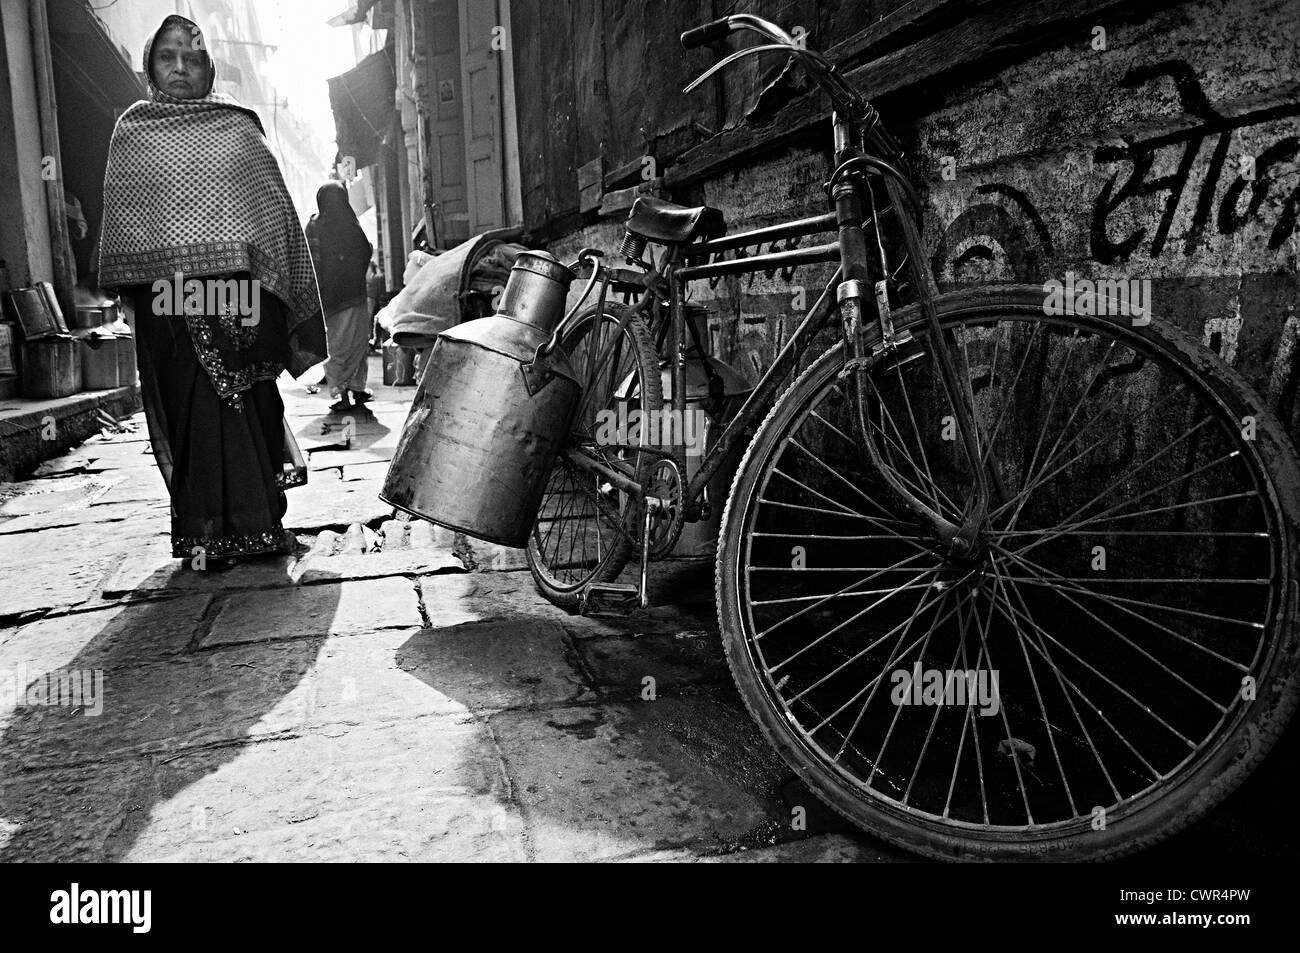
(667,507)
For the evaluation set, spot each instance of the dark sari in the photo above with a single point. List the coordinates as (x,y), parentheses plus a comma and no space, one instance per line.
(226,460)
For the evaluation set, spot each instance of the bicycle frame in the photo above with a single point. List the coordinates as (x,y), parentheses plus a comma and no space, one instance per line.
(764,392)
(845,292)
(761,397)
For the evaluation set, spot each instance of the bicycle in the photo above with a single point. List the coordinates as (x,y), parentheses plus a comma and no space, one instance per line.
(996,583)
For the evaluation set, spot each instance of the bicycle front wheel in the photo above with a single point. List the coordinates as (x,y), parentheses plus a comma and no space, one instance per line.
(1119,654)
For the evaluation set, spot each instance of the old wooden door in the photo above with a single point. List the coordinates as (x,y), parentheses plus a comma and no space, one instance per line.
(448,123)
(482,42)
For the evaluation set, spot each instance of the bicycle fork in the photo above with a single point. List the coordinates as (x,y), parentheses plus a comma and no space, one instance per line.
(958,540)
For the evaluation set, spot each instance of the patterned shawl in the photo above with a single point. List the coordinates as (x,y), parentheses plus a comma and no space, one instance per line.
(192,187)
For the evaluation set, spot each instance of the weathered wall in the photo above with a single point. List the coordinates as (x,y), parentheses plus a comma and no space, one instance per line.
(604,78)
(1127,162)
(25,243)
(1122,162)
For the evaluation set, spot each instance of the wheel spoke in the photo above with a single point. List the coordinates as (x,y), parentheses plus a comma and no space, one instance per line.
(1141,496)
(849,588)
(1002,413)
(1121,603)
(1061,378)
(1105,437)
(981,628)
(1066,693)
(1009,612)
(969,719)
(1038,697)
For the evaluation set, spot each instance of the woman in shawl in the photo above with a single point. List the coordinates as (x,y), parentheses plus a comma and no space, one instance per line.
(342,253)
(200,235)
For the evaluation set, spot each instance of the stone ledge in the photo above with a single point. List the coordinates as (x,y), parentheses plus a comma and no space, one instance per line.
(21,443)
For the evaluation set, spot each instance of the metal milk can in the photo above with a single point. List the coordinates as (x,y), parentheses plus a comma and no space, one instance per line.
(490,414)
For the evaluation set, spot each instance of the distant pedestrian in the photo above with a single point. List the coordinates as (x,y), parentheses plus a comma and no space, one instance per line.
(374,288)
(196,212)
(342,253)
(78,232)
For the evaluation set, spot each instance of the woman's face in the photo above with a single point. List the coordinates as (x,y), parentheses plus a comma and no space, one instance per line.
(178,65)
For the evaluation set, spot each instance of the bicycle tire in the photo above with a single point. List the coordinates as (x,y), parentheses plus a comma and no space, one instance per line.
(615,536)
(1207,777)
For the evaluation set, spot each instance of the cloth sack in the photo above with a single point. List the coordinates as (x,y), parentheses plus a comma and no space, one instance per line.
(433,300)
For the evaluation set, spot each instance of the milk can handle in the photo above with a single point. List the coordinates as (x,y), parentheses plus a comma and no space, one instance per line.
(590,254)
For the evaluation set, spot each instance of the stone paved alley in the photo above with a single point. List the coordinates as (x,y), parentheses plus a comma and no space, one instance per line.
(393,692)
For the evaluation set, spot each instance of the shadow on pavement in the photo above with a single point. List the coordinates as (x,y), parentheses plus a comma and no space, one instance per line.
(79,787)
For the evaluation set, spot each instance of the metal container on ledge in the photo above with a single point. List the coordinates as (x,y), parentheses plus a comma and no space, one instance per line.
(51,366)
(126,363)
(490,414)
(99,358)
(85,318)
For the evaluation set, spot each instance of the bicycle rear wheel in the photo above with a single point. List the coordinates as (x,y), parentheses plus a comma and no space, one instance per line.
(587,528)
(1118,658)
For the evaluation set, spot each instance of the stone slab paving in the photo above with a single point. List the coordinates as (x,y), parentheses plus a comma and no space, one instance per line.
(514,595)
(116,636)
(328,502)
(141,487)
(609,782)
(489,664)
(365,698)
(118,453)
(620,663)
(73,462)
(785,848)
(491,557)
(353,606)
(33,497)
(157,512)
(422,789)
(821,849)
(226,696)
(136,432)
(64,566)
(372,471)
(315,568)
(347,459)
(154,570)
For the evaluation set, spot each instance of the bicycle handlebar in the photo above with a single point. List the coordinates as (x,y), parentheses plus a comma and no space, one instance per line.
(716,30)
(823,71)
(704,35)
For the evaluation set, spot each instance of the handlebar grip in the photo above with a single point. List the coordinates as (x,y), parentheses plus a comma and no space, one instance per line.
(704,35)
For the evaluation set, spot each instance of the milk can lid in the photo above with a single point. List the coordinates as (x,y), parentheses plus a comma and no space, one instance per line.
(544,263)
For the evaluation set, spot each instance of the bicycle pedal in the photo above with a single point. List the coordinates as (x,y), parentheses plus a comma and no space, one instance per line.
(609,597)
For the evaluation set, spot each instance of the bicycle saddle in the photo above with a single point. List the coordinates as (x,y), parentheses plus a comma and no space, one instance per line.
(671,224)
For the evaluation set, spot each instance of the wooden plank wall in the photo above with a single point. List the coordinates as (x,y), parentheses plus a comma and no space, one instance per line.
(605,78)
